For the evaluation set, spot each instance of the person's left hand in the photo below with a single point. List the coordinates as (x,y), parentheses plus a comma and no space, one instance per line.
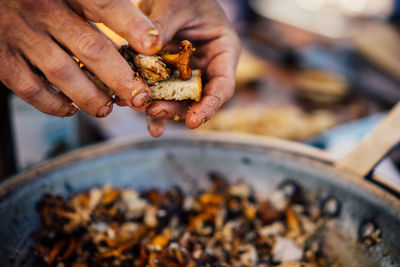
(217,45)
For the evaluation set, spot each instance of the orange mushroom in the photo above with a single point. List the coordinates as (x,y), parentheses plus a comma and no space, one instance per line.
(182,60)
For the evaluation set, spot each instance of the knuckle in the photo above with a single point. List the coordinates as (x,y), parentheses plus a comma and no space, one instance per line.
(91,104)
(91,46)
(59,69)
(124,84)
(135,22)
(103,4)
(30,91)
(9,20)
(159,21)
(38,6)
(55,108)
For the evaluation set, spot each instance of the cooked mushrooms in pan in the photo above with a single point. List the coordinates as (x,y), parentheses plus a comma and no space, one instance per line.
(226,225)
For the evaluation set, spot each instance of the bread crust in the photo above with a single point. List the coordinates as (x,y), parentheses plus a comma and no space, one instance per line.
(176,89)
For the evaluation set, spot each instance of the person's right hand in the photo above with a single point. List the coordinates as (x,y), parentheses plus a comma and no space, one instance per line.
(39,32)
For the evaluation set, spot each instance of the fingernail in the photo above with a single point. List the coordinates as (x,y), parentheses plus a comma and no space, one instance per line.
(75,106)
(150,42)
(150,39)
(153,32)
(104,111)
(160,114)
(141,100)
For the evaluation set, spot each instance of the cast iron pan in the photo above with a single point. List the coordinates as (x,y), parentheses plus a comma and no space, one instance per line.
(186,159)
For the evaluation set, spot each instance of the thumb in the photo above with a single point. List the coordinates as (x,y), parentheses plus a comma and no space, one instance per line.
(168,16)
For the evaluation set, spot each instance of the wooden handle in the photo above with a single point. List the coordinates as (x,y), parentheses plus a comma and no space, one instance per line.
(374,146)
(379,42)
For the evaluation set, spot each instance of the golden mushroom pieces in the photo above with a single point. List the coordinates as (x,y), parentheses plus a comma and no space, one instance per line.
(224,225)
(182,60)
(169,76)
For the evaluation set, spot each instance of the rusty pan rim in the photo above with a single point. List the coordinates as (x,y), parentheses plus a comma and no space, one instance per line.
(301,152)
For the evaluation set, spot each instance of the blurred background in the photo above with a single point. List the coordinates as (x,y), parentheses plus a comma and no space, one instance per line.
(322,72)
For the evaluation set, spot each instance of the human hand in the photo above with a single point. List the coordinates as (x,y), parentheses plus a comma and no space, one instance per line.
(217,51)
(39,32)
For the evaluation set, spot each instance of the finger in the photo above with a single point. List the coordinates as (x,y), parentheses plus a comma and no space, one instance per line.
(126,20)
(167,16)
(61,70)
(168,110)
(155,126)
(100,31)
(99,55)
(16,74)
(218,90)
(121,103)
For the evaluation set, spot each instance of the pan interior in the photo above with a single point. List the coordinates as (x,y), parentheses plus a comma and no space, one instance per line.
(164,163)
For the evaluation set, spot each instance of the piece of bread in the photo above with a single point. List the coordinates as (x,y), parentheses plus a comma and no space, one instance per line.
(176,89)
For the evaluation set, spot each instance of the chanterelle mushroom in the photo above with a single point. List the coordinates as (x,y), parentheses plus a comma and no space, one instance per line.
(182,60)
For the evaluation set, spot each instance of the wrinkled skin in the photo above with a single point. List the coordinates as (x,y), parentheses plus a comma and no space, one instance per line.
(44,33)
(217,51)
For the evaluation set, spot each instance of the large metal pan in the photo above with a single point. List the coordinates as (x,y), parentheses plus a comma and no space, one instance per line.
(187,159)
